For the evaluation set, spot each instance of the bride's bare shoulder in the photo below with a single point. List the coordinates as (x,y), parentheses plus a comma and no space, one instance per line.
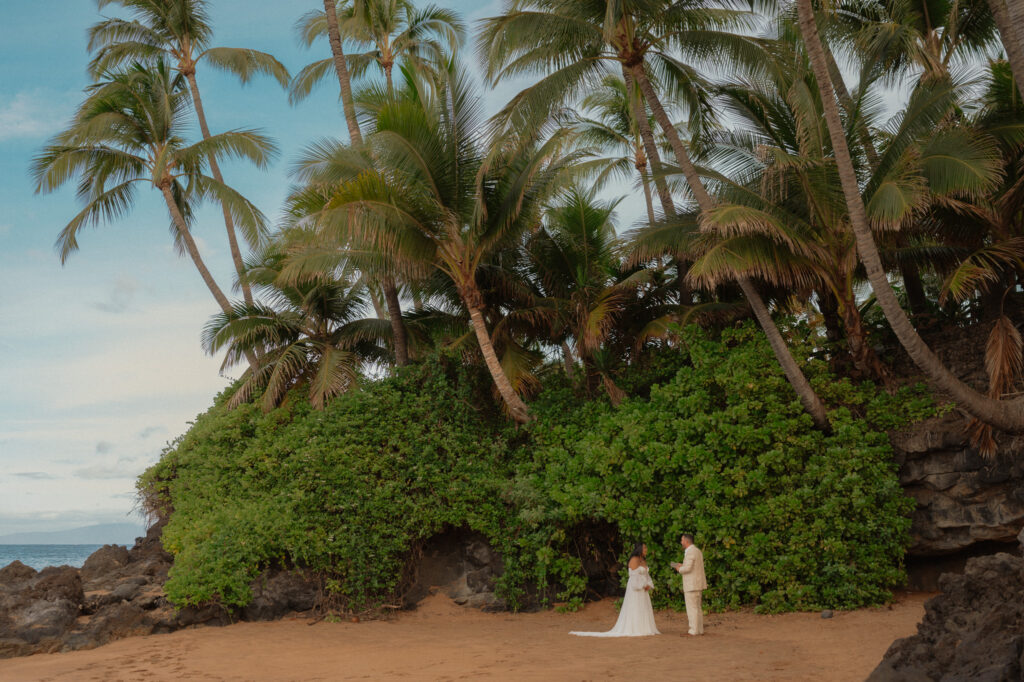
(635,563)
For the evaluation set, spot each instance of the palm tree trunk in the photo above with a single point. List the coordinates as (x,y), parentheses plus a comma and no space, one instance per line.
(1009,21)
(615,394)
(204,272)
(647,197)
(808,398)
(682,158)
(915,288)
(1002,414)
(864,357)
(568,359)
(650,148)
(193,250)
(378,309)
(847,101)
(516,407)
(397,326)
(909,271)
(229,223)
(341,67)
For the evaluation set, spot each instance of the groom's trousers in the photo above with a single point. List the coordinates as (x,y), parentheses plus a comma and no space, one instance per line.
(694,612)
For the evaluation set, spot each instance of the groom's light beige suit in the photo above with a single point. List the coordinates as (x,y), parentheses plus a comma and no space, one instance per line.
(694,583)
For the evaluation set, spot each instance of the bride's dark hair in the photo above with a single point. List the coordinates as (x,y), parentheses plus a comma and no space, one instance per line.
(638,550)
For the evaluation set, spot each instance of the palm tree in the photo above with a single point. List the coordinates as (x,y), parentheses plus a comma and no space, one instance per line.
(128,132)
(573,263)
(1008,415)
(310,333)
(178,32)
(396,31)
(572,41)
(432,192)
(614,129)
(901,37)
(779,213)
(309,27)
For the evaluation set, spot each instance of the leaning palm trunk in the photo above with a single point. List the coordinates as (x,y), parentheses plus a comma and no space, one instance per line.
(1005,415)
(682,158)
(516,407)
(650,148)
(229,223)
(341,67)
(664,195)
(851,109)
(204,272)
(808,397)
(193,250)
(909,271)
(356,138)
(1009,19)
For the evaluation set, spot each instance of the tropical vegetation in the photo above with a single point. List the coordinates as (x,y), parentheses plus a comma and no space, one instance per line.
(845,177)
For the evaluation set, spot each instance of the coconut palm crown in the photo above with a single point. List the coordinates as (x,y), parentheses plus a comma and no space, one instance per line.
(129,132)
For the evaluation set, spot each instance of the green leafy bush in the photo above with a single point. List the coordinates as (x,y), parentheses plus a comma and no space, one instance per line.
(346,491)
(788,517)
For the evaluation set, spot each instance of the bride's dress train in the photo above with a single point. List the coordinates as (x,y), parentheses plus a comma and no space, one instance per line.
(636,617)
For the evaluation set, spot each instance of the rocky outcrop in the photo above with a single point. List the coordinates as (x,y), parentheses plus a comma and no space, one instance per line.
(119,593)
(278,592)
(459,564)
(974,630)
(963,499)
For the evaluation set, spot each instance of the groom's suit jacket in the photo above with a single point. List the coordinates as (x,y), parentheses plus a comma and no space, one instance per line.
(692,570)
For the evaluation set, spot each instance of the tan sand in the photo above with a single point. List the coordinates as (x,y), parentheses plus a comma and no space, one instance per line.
(442,641)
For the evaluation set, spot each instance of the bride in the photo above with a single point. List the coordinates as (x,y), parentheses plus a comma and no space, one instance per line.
(636,617)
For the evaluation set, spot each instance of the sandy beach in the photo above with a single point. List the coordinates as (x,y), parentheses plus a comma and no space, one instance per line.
(442,641)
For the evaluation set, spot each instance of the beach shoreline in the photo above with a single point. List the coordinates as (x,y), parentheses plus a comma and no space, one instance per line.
(442,641)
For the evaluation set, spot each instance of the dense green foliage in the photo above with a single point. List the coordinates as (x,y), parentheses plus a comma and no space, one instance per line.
(788,517)
(346,491)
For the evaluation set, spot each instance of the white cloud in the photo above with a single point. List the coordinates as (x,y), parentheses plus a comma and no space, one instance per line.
(32,114)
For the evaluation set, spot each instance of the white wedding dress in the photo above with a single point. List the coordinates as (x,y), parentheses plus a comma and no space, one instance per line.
(636,617)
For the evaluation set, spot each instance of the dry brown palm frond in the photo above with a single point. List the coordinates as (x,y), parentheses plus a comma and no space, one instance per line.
(1003,363)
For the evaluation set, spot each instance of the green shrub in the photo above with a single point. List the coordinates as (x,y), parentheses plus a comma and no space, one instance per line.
(346,491)
(788,517)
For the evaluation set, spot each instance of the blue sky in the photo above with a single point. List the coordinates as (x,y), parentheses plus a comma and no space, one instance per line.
(100,361)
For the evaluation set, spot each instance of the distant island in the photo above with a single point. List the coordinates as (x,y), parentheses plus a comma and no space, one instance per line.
(99,534)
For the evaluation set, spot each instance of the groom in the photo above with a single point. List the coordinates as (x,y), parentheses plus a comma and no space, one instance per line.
(694,583)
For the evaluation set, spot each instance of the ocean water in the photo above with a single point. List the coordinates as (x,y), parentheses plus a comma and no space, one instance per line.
(41,556)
